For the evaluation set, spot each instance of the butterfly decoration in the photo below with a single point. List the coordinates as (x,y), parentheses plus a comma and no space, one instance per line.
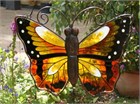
(55,61)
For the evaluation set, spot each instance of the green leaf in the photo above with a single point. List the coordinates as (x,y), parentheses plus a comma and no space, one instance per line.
(95,99)
(1,50)
(120,8)
(139,15)
(16,66)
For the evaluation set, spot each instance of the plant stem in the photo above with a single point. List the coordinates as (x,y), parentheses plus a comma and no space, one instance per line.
(12,68)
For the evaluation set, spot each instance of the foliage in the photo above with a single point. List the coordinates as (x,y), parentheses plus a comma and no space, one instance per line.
(130,59)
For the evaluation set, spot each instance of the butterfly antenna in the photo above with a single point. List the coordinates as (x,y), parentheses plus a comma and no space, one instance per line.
(30,15)
(41,15)
(86,9)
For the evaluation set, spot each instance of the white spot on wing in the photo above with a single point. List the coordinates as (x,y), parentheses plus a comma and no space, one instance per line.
(109,57)
(22,31)
(28,41)
(118,42)
(124,21)
(20,22)
(123,30)
(37,56)
(32,52)
(115,53)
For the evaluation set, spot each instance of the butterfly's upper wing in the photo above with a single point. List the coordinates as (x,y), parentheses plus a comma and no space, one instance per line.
(46,52)
(99,55)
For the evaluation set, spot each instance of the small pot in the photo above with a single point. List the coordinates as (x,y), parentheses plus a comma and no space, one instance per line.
(128,84)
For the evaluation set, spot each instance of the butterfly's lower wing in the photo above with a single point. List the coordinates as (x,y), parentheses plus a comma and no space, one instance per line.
(99,55)
(46,52)
(50,74)
(97,75)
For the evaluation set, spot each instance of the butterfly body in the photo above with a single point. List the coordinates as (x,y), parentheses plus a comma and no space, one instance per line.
(55,61)
(72,47)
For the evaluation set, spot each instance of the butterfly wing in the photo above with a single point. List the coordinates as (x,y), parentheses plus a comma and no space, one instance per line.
(98,76)
(47,54)
(99,55)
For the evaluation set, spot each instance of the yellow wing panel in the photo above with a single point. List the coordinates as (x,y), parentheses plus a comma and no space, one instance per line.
(101,41)
(94,75)
(95,37)
(49,36)
(52,75)
(45,41)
